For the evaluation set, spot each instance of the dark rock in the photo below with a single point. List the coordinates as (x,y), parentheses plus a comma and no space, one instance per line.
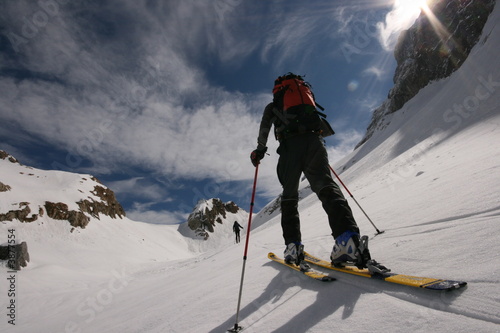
(4,187)
(4,155)
(60,211)
(21,214)
(203,221)
(17,255)
(427,52)
(108,206)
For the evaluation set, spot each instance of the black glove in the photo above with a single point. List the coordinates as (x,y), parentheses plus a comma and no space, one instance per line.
(257,155)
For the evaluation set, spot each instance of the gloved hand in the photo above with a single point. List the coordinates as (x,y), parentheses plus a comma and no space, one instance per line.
(257,155)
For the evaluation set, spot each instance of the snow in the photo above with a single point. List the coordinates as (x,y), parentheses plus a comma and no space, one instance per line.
(45,186)
(430,180)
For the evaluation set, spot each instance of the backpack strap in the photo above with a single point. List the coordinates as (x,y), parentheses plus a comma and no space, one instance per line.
(280,116)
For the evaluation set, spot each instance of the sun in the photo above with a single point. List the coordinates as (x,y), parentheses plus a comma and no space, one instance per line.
(403,15)
(410,8)
(406,11)
(422,4)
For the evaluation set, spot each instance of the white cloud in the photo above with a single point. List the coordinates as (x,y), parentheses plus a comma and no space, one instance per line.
(287,37)
(401,17)
(293,34)
(347,140)
(376,71)
(128,95)
(150,107)
(139,187)
(142,214)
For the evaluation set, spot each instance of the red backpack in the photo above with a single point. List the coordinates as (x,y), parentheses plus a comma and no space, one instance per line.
(291,90)
(296,108)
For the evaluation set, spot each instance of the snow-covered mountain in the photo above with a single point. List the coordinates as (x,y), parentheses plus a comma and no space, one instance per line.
(29,194)
(429,178)
(434,47)
(210,224)
(52,203)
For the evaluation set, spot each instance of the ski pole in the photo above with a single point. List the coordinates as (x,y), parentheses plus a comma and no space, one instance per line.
(352,196)
(237,328)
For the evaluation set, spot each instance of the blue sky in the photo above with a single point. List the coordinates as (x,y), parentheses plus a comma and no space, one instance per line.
(161,100)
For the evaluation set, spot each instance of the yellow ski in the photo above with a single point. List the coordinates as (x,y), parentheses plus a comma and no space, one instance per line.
(310,272)
(407,280)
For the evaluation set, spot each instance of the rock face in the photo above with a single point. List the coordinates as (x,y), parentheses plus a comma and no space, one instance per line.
(4,155)
(17,255)
(207,214)
(99,200)
(60,211)
(4,188)
(108,205)
(32,195)
(434,47)
(22,214)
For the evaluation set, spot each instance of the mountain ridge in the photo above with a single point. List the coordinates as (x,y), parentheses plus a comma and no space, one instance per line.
(433,48)
(92,198)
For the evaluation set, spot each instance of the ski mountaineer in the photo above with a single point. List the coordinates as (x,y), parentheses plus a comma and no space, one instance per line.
(303,151)
(236,229)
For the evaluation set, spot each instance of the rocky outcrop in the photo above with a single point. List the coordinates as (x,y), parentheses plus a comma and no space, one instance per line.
(434,47)
(17,255)
(4,155)
(60,211)
(108,205)
(207,214)
(22,214)
(100,200)
(4,187)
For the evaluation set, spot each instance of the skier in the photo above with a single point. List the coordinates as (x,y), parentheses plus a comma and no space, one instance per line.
(303,151)
(236,229)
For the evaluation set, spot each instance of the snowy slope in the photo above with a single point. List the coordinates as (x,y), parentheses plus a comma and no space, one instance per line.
(430,180)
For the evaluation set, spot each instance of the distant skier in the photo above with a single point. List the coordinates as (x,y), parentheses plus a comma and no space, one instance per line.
(302,150)
(236,229)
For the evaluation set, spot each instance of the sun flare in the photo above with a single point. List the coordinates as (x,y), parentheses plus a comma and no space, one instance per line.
(410,8)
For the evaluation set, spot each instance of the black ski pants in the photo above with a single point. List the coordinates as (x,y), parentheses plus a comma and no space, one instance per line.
(306,153)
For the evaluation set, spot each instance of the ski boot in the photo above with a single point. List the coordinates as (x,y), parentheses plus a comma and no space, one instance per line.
(294,254)
(346,249)
(351,250)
